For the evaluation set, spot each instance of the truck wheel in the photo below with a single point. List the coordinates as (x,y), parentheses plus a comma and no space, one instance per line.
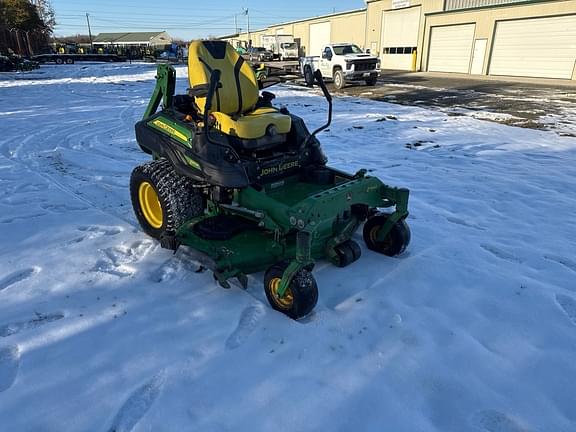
(300,297)
(59,60)
(371,81)
(308,75)
(162,199)
(339,80)
(69,61)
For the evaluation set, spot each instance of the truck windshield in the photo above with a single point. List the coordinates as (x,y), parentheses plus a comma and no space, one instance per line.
(291,45)
(346,49)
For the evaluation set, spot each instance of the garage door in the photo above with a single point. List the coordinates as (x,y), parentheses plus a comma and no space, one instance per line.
(399,37)
(319,36)
(451,48)
(541,47)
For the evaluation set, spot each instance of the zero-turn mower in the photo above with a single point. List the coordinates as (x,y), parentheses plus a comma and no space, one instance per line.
(247,185)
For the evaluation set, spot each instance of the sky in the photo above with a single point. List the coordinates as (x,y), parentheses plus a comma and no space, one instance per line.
(186,19)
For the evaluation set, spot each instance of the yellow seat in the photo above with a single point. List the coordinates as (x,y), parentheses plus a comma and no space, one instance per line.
(234,102)
(253,125)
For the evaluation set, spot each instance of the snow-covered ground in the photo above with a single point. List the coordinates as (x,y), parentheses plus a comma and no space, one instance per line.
(473,329)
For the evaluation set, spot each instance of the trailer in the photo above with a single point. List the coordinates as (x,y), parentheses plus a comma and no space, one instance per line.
(283,70)
(73,58)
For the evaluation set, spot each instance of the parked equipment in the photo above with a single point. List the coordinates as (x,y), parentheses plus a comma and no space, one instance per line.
(283,47)
(73,58)
(16,63)
(247,184)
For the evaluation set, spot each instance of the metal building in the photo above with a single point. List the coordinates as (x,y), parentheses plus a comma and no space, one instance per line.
(525,38)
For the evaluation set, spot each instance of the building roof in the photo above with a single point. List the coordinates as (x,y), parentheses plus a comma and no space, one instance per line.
(335,14)
(142,37)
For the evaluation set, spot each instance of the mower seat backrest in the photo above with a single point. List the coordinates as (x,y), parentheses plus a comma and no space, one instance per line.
(238,92)
(234,102)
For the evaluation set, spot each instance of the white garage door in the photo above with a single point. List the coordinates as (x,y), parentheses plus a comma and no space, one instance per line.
(451,48)
(399,37)
(541,47)
(319,36)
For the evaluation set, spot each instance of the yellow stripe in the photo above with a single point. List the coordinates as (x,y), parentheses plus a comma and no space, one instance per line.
(170,130)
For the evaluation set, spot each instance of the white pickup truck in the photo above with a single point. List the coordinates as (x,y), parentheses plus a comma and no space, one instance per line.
(342,62)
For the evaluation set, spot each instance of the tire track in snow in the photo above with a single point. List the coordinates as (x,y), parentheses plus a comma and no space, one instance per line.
(137,405)
(17,276)
(248,322)
(569,264)
(9,365)
(495,421)
(63,137)
(568,306)
(500,253)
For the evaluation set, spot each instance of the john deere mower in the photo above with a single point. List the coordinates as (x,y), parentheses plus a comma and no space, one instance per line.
(246,184)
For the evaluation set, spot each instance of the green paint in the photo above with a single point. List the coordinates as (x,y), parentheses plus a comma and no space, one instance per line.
(164,90)
(171,128)
(294,221)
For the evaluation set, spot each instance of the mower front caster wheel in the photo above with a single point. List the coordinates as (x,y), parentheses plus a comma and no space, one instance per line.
(395,241)
(300,297)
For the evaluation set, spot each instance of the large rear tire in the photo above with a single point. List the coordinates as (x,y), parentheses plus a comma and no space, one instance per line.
(162,199)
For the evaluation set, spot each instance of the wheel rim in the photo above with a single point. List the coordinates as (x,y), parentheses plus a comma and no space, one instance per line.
(285,302)
(337,80)
(150,205)
(374,237)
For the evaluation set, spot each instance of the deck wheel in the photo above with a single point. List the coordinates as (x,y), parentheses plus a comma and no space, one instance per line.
(395,241)
(348,252)
(300,297)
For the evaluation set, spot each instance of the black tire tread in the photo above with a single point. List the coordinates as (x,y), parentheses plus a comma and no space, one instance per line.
(179,198)
(304,291)
(342,81)
(399,236)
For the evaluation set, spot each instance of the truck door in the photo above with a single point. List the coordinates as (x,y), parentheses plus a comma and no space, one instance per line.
(326,62)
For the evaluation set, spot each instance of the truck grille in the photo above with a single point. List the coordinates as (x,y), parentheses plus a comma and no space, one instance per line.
(364,65)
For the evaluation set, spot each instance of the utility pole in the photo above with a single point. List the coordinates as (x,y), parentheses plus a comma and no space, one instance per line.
(89,32)
(236,24)
(248,25)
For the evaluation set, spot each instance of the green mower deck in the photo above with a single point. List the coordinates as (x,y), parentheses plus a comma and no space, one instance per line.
(295,222)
